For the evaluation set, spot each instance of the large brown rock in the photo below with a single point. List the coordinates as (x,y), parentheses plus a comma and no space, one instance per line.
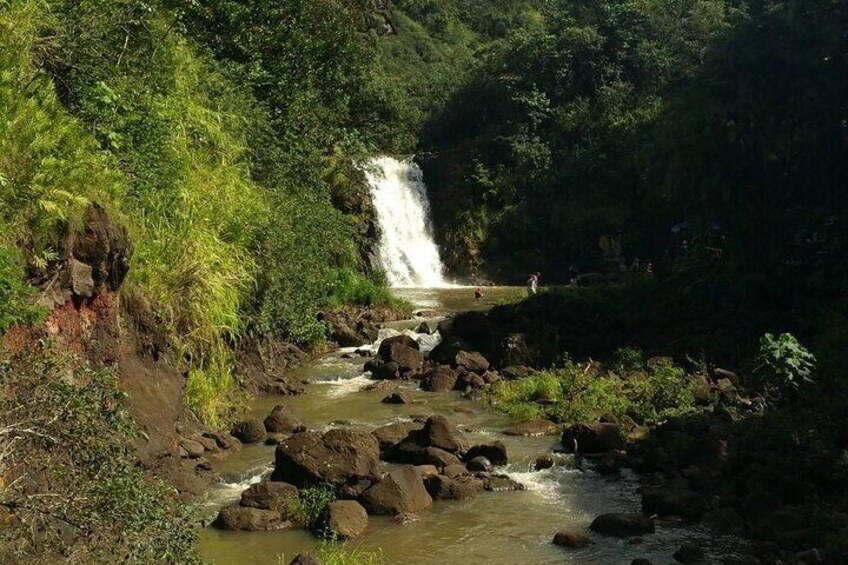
(439,432)
(81,278)
(193,449)
(102,245)
(283,419)
(460,488)
(402,350)
(472,361)
(383,371)
(243,518)
(592,438)
(338,457)
(571,540)
(401,491)
(271,495)
(494,452)
(250,431)
(623,525)
(346,519)
(411,453)
(342,334)
(439,379)
(392,434)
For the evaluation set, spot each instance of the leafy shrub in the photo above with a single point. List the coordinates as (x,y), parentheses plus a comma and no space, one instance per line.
(569,394)
(332,552)
(312,505)
(783,366)
(335,553)
(15,296)
(629,359)
(663,393)
(75,489)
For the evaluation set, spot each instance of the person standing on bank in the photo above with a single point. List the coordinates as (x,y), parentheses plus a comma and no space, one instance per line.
(533,284)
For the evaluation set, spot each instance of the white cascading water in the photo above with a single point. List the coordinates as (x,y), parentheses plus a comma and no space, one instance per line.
(407,252)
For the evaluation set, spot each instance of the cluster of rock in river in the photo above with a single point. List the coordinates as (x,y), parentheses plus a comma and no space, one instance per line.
(432,461)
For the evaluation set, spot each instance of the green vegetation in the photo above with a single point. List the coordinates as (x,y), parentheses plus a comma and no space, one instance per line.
(336,553)
(624,117)
(783,365)
(63,426)
(222,176)
(312,505)
(15,296)
(576,393)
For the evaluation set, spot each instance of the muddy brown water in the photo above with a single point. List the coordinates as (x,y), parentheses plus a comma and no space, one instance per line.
(501,528)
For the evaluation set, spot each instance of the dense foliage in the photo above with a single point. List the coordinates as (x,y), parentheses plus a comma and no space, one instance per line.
(573,393)
(214,150)
(64,428)
(723,117)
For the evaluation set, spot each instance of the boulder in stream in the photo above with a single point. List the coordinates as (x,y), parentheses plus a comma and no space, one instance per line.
(592,438)
(383,371)
(402,350)
(472,361)
(250,431)
(439,379)
(461,488)
(499,483)
(271,495)
(283,419)
(401,491)
(623,525)
(346,519)
(439,432)
(339,456)
(411,453)
(479,463)
(392,434)
(243,518)
(494,452)
(571,540)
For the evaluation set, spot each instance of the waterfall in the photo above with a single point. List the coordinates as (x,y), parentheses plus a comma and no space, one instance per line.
(406,251)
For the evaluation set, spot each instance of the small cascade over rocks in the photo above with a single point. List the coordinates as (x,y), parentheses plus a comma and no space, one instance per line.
(407,252)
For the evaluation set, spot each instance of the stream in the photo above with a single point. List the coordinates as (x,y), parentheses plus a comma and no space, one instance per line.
(493,528)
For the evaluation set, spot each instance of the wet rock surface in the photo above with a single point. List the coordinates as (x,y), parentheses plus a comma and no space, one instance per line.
(401,491)
(338,457)
(250,431)
(623,525)
(346,519)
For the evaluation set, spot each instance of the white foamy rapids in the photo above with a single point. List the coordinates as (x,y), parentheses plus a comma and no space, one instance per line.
(545,483)
(407,251)
(230,491)
(343,387)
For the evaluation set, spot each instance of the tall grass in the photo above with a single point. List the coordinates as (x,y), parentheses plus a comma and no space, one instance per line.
(573,393)
(230,219)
